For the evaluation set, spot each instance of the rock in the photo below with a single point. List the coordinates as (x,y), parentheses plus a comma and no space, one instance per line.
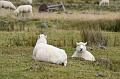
(99,74)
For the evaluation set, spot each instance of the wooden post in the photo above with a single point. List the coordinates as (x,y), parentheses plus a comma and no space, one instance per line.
(63,6)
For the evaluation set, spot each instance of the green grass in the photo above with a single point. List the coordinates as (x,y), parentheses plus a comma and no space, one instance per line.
(105,22)
(16,57)
(18,37)
(66,38)
(16,63)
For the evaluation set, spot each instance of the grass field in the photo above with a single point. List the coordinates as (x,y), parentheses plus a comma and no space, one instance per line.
(16,63)
(16,57)
(18,37)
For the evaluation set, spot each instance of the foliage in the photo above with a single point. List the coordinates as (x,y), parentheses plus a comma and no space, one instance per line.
(106,25)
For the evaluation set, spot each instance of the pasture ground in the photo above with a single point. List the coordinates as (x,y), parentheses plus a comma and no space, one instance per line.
(16,49)
(16,63)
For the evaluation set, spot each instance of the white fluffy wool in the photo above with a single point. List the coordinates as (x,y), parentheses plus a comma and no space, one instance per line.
(49,53)
(104,2)
(7,4)
(42,39)
(23,9)
(81,52)
(26,1)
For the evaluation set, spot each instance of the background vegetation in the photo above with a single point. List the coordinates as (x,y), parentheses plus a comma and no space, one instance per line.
(97,26)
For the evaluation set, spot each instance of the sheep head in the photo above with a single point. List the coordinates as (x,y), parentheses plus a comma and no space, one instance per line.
(42,36)
(16,12)
(81,47)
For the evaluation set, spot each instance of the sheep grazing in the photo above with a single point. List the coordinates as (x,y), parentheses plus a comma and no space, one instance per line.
(104,3)
(26,1)
(42,39)
(81,52)
(23,9)
(7,4)
(48,53)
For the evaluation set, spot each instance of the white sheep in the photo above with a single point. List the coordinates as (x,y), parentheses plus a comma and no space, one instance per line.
(104,3)
(81,52)
(26,1)
(42,39)
(7,4)
(49,53)
(23,9)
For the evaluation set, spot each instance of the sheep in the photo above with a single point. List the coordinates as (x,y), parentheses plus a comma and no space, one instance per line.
(104,3)
(7,4)
(42,39)
(26,1)
(81,52)
(48,53)
(23,9)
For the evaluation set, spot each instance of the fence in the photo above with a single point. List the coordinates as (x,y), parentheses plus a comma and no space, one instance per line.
(83,5)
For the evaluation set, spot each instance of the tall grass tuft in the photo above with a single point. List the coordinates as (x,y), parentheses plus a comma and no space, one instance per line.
(117,26)
(22,40)
(116,40)
(93,37)
(22,25)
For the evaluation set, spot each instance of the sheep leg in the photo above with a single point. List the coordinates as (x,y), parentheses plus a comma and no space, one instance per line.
(107,4)
(82,59)
(65,63)
(75,54)
(31,13)
(22,14)
(17,14)
(9,9)
(100,4)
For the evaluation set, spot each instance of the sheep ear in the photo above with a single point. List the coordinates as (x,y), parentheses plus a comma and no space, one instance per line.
(77,43)
(86,43)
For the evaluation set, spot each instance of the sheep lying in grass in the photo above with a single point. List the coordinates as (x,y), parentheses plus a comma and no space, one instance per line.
(81,52)
(42,39)
(23,9)
(49,53)
(104,3)
(7,4)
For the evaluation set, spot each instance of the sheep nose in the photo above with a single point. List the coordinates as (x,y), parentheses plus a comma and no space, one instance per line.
(80,49)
